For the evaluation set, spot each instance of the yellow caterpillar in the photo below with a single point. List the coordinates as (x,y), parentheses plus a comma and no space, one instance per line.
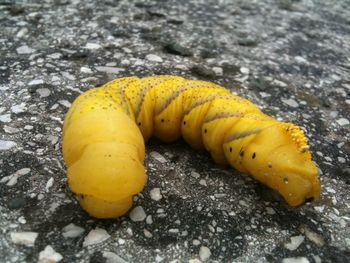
(105,129)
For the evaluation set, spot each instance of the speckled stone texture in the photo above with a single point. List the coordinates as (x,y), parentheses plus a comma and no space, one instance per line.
(290,57)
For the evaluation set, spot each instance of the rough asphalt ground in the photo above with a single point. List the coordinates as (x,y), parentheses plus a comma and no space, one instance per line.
(290,57)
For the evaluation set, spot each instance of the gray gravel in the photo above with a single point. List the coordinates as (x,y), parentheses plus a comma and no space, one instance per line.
(290,57)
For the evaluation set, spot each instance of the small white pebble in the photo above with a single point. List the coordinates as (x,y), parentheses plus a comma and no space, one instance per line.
(36,82)
(295,260)
(11,130)
(139,62)
(19,108)
(195,174)
(333,114)
(65,103)
(155,194)
(24,238)
(196,242)
(203,182)
(49,184)
(72,231)
(264,94)
(341,160)
(204,253)
(85,70)
(279,83)
(7,145)
(319,208)
(125,62)
(290,102)
(5,118)
(154,58)
(157,156)
(22,32)
(294,243)
(312,236)
(149,219)
(55,79)
(328,159)
(43,92)
(317,258)
(181,66)
(300,60)
(23,171)
(67,75)
(244,70)
(303,102)
(336,77)
(159,258)
(121,241)
(49,255)
(22,220)
(330,190)
(24,50)
(129,231)
(111,64)
(92,46)
(147,233)
(270,211)
(173,230)
(218,71)
(55,55)
(12,179)
(96,236)
(137,214)
(110,70)
(343,121)
(319,153)
(53,139)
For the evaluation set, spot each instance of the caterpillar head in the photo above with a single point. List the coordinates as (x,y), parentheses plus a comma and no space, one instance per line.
(278,156)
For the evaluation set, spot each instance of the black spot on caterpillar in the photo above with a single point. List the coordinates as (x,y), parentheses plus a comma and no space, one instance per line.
(115,119)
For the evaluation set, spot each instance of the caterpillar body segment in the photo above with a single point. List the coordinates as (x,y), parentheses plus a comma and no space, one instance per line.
(105,129)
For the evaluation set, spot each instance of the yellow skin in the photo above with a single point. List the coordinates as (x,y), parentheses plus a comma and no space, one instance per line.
(105,129)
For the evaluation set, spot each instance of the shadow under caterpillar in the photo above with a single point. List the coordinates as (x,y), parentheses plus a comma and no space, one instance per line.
(105,129)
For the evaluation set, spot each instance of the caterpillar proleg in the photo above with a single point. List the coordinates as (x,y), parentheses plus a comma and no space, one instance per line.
(105,129)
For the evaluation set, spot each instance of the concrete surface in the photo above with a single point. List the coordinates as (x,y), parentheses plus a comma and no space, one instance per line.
(290,57)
